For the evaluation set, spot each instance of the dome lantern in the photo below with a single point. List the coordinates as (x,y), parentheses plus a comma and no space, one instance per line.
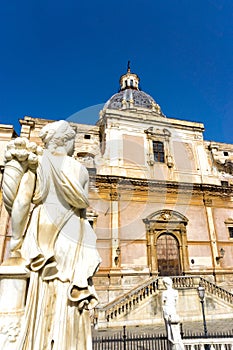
(129,80)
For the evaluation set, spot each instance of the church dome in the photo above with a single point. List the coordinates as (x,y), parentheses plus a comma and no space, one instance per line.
(130,96)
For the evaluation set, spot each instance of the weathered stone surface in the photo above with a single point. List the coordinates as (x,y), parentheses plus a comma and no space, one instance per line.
(46,289)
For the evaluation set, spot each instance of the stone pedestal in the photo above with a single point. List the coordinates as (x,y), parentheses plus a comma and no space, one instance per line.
(173,334)
(13,289)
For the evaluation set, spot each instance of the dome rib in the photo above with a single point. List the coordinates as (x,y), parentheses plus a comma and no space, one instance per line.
(132,98)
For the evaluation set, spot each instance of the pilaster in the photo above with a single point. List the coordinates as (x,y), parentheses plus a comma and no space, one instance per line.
(115,246)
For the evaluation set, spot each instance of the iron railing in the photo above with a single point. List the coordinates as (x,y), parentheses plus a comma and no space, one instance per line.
(191,340)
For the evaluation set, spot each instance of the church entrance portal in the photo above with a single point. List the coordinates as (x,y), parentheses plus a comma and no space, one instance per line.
(167,243)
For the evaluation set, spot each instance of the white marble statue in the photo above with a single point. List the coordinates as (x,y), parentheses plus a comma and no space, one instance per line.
(171,318)
(46,196)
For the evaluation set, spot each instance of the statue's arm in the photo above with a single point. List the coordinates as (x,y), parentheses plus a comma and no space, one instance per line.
(86,192)
(21,158)
(21,209)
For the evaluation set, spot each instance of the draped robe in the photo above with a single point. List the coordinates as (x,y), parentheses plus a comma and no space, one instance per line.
(60,250)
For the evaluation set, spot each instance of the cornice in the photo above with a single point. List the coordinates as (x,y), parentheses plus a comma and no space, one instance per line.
(7,132)
(151,118)
(141,185)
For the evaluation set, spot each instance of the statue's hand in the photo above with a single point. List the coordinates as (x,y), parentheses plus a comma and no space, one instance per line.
(83,305)
(174,318)
(87,304)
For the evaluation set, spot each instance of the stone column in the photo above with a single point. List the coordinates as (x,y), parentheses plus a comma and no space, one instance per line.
(184,250)
(212,233)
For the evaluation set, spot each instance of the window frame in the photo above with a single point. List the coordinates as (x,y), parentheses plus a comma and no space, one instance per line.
(230,231)
(159,137)
(158,154)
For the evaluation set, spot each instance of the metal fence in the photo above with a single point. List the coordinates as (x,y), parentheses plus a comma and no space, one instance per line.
(131,342)
(128,341)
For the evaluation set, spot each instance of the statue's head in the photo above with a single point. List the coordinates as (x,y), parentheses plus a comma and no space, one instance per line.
(58,135)
(167,281)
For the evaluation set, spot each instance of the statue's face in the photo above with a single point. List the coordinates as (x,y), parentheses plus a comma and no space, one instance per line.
(70,147)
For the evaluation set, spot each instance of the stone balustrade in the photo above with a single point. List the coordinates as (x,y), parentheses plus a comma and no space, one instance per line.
(216,290)
(124,304)
(182,282)
(214,343)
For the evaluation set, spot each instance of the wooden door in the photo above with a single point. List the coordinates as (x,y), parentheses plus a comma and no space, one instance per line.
(168,255)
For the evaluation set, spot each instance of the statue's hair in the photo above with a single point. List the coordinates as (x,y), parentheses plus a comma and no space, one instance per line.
(57,133)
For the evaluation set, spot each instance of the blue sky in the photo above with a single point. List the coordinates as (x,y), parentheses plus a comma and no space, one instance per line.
(59,57)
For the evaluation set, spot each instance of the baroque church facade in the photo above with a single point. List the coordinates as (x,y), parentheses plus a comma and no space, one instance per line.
(161,197)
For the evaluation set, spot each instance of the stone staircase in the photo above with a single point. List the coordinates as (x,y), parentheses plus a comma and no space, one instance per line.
(122,307)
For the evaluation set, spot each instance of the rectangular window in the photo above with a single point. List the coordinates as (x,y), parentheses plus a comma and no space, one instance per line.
(158,150)
(230,229)
(87,136)
(225,154)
